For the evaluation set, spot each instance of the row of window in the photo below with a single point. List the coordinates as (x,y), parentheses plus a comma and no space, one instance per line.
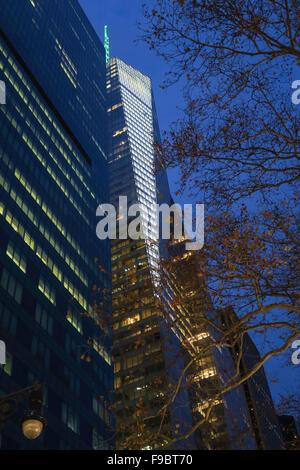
(101,410)
(50,118)
(8,320)
(16,256)
(29,213)
(44,319)
(129,362)
(11,285)
(42,160)
(51,238)
(43,256)
(68,414)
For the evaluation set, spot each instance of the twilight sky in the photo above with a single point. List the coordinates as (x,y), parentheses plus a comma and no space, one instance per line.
(121,17)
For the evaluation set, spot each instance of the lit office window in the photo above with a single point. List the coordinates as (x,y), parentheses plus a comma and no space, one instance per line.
(45,288)
(15,255)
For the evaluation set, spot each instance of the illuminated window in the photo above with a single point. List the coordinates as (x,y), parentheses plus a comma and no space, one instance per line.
(130,320)
(120,131)
(101,350)
(75,321)
(133,361)
(206,373)
(45,288)
(199,336)
(15,254)
(117,382)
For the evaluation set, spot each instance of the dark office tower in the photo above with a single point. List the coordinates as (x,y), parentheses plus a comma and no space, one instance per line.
(228,426)
(264,422)
(53,175)
(289,431)
(144,347)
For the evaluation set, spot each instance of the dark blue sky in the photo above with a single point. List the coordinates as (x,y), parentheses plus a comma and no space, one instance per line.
(121,17)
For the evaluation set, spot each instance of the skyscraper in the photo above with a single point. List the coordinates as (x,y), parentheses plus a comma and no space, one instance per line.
(227,426)
(146,351)
(55,273)
(290,433)
(264,422)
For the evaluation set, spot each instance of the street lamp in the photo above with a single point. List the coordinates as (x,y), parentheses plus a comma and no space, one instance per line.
(33,421)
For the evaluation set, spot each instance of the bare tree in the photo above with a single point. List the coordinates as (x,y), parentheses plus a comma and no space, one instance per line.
(239,134)
(237,143)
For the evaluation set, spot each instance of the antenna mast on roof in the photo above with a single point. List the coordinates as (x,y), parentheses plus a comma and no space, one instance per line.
(106,44)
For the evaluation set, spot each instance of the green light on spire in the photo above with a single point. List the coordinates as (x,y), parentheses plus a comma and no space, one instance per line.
(106,44)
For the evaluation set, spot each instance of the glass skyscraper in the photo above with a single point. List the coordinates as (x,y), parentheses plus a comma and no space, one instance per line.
(146,351)
(54,272)
(150,336)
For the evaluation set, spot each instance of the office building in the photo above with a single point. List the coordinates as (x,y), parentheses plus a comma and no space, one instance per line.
(210,367)
(54,271)
(264,422)
(147,357)
(288,426)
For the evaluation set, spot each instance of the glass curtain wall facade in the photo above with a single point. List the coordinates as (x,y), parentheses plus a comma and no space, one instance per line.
(264,422)
(54,272)
(228,425)
(144,348)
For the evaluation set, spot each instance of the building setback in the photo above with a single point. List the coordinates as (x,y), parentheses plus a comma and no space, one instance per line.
(53,269)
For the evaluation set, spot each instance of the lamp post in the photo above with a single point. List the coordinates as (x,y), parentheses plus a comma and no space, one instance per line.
(32,422)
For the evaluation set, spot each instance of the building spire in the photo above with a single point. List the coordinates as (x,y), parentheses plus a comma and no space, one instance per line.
(106,44)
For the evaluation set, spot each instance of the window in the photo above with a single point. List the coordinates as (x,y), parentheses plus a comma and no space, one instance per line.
(44,319)
(101,350)
(98,442)
(39,349)
(74,319)
(152,348)
(133,361)
(69,417)
(117,382)
(7,367)
(71,381)
(14,253)
(98,408)
(45,288)
(100,411)
(130,320)
(11,285)
(31,379)
(71,347)
(8,321)
(206,373)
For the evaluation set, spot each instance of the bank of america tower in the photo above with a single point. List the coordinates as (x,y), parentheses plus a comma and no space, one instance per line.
(144,347)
